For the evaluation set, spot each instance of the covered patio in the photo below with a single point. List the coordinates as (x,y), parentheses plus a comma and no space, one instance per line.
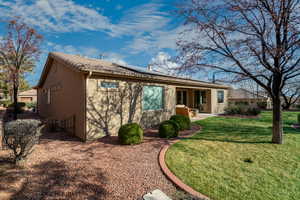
(200,101)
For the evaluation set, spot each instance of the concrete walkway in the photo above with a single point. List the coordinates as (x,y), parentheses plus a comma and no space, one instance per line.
(202,116)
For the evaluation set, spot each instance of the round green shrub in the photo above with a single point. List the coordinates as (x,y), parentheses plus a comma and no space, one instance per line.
(130,134)
(168,129)
(184,122)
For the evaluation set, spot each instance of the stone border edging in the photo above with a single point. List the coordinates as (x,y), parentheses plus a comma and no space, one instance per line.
(171,176)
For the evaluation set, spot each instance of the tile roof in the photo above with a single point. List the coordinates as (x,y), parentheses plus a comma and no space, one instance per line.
(243,94)
(31,92)
(84,64)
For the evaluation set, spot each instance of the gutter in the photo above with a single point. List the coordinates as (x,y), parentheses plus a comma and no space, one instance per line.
(86,77)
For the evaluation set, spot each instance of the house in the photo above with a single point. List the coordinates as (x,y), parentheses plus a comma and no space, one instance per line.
(94,97)
(243,96)
(28,96)
(2,96)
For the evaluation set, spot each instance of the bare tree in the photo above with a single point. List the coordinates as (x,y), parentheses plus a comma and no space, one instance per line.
(257,39)
(290,95)
(18,52)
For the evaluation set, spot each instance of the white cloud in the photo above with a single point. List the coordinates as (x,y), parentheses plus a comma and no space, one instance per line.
(141,20)
(89,52)
(163,63)
(115,58)
(55,15)
(146,24)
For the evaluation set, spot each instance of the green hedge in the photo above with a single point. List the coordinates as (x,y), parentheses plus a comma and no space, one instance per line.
(5,103)
(184,122)
(299,118)
(130,134)
(242,110)
(20,106)
(168,129)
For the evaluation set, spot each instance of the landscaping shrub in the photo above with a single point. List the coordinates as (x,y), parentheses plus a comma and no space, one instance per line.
(20,106)
(253,111)
(168,129)
(20,136)
(299,118)
(262,105)
(130,134)
(5,103)
(242,110)
(31,105)
(184,122)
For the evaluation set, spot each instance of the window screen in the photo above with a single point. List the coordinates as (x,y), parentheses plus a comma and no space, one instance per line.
(152,98)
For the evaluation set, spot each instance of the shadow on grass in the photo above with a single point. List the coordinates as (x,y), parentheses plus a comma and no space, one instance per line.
(53,180)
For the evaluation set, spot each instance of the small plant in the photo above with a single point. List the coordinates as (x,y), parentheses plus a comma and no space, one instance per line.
(184,122)
(168,129)
(31,105)
(130,134)
(248,160)
(20,136)
(262,105)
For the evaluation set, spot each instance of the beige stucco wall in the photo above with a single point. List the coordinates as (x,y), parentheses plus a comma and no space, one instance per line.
(67,96)
(107,108)
(214,105)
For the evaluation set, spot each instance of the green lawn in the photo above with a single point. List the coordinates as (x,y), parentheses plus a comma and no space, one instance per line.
(213,161)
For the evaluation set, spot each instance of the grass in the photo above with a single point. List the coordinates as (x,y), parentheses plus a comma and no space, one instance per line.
(232,158)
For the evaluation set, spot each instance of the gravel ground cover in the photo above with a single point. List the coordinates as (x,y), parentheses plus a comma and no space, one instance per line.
(61,167)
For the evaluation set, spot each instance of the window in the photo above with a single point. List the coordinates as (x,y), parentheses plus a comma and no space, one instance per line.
(181,97)
(220,96)
(106,84)
(49,96)
(152,98)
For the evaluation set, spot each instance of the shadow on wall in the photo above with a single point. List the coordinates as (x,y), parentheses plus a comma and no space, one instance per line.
(110,108)
(53,180)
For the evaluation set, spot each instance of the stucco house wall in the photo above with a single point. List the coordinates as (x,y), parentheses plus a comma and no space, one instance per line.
(215,106)
(108,108)
(66,88)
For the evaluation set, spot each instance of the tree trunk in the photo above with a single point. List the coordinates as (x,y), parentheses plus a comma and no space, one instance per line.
(286,106)
(15,96)
(277,122)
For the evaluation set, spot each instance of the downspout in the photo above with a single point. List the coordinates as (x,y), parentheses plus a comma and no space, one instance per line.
(85,101)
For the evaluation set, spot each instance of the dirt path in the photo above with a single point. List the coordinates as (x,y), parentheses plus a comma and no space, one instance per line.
(62,167)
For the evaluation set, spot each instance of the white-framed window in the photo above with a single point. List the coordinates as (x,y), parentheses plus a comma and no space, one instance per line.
(220,96)
(153,98)
(49,96)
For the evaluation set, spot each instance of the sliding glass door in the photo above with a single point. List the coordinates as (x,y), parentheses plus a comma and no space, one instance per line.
(199,99)
(181,96)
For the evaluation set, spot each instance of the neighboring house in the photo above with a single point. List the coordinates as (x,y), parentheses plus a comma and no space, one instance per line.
(243,96)
(99,96)
(28,96)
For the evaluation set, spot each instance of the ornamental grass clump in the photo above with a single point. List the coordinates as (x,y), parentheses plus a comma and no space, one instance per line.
(130,134)
(20,136)
(184,122)
(168,129)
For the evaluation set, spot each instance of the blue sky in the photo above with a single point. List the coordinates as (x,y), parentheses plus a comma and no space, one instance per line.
(134,32)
